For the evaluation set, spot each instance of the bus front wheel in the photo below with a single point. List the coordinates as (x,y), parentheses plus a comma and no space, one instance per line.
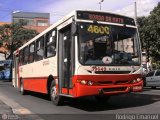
(55,98)
(22,91)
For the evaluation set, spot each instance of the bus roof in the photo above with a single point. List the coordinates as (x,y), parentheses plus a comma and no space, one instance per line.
(70,15)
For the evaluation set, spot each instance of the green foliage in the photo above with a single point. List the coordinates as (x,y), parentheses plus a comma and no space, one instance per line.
(15,35)
(149,28)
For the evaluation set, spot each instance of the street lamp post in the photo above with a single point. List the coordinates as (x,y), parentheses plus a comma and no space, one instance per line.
(100,4)
(135,11)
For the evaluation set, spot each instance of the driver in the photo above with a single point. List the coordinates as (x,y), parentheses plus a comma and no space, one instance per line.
(89,49)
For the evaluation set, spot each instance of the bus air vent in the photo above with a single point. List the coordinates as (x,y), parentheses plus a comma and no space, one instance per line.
(114,89)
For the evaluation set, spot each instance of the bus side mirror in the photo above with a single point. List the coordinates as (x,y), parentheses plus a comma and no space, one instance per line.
(74,29)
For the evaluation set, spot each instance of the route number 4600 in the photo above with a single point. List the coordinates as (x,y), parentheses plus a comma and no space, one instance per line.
(98,29)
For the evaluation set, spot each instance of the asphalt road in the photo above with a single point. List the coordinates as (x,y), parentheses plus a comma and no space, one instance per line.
(34,103)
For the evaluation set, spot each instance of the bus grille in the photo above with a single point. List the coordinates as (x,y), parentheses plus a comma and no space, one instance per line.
(112,72)
(109,82)
(119,89)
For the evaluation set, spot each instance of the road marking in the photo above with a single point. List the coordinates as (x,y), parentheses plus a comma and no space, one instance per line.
(17,108)
(22,111)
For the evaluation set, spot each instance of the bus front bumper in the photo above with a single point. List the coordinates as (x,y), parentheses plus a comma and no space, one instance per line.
(85,90)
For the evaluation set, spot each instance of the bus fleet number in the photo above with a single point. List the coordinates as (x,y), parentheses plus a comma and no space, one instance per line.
(98,29)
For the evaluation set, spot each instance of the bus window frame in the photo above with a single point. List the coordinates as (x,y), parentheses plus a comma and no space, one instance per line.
(21,58)
(41,47)
(31,53)
(25,55)
(54,42)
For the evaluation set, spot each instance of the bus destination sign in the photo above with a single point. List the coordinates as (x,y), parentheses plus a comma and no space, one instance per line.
(105,17)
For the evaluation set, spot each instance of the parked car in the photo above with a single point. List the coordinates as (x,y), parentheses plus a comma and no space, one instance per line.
(1,75)
(153,79)
(7,74)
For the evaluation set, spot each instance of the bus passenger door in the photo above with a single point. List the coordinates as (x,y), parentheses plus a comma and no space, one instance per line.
(64,58)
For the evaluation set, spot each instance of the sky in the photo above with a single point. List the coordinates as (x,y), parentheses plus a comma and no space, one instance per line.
(60,8)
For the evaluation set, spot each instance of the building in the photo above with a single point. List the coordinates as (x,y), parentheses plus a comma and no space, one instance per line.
(32,20)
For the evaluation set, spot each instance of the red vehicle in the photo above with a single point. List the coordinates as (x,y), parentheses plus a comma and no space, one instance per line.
(87,53)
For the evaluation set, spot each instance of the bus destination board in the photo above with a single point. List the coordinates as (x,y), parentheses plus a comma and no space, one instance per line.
(105,17)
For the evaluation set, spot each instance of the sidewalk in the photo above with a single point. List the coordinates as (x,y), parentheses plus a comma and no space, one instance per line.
(5,109)
(11,110)
(6,113)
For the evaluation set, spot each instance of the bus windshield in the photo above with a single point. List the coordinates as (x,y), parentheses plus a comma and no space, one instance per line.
(101,44)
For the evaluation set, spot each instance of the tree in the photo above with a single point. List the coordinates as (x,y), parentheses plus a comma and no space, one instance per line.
(149,28)
(14,35)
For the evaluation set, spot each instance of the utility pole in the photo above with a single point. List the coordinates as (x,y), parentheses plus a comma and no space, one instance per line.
(135,11)
(100,4)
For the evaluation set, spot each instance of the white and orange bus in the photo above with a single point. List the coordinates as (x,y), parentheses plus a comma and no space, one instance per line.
(87,53)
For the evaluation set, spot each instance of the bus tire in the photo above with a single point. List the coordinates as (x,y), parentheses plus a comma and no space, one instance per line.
(22,91)
(55,98)
(102,98)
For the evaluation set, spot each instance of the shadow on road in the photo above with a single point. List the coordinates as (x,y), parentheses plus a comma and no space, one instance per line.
(39,95)
(90,104)
(115,102)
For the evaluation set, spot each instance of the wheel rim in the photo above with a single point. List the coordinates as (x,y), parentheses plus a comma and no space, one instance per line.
(21,87)
(54,93)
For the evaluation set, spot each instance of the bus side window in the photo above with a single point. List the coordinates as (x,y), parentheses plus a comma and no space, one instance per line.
(50,43)
(13,61)
(31,52)
(26,52)
(39,49)
(20,61)
(21,58)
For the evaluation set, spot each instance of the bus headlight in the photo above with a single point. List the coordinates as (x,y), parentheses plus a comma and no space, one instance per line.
(84,82)
(136,80)
(139,79)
